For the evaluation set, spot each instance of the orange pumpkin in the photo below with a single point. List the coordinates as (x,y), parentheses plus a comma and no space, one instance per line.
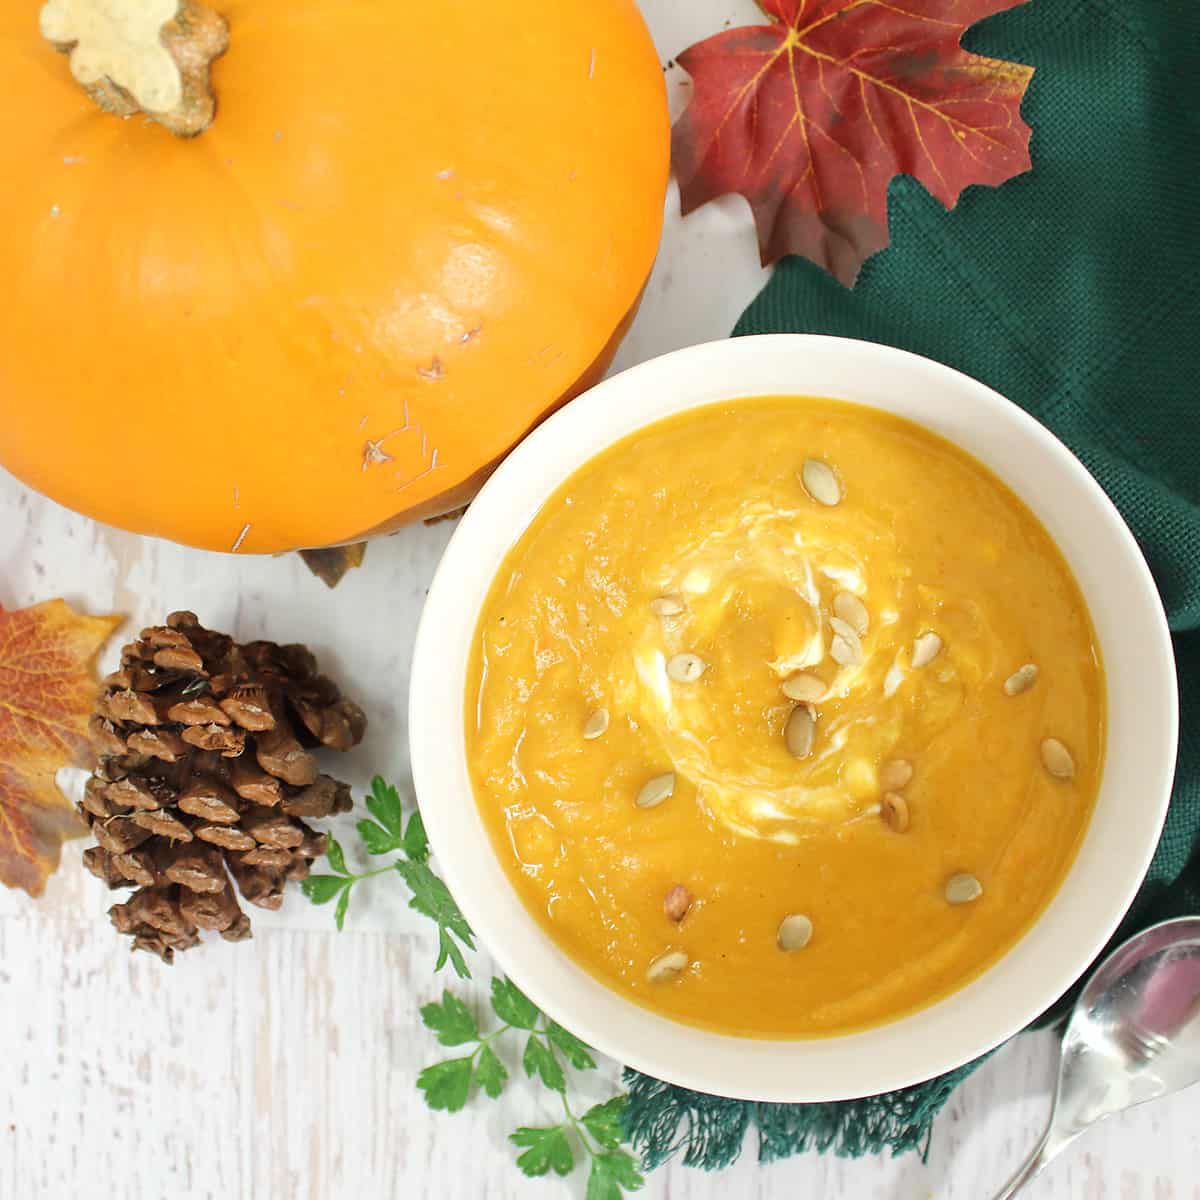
(409,232)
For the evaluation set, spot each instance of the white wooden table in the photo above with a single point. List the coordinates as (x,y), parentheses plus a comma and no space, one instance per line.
(284,1067)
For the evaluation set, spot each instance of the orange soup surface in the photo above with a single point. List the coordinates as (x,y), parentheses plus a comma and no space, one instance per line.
(785,717)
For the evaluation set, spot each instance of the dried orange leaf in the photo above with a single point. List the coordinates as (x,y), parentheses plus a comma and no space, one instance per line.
(47,691)
(332,562)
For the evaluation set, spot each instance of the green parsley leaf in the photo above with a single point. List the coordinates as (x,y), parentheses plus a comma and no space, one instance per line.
(548,1149)
(539,1060)
(490,1073)
(416,844)
(339,913)
(448,951)
(574,1051)
(432,898)
(452,1021)
(377,839)
(611,1172)
(512,1005)
(337,860)
(603,1122)
(383,803)
(320,889)
(446,1084)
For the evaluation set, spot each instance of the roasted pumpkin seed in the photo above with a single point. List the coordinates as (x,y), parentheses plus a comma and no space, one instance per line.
(795,932)
(1057,760)
(853,611)
(677,902)
(845,648)
(894,809)
(667,606)
(596,726)
(686,668)
(820,482)
(1021,680)
(804,687)
(962,888)
(800,731)
(925,649)
(667,967)
(655,791)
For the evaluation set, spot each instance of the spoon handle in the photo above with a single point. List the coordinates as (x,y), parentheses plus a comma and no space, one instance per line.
(1046,1149)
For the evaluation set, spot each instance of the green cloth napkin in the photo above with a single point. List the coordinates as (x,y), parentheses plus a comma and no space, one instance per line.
(1073,291)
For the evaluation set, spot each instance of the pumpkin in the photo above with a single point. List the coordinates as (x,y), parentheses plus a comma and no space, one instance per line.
(284,275)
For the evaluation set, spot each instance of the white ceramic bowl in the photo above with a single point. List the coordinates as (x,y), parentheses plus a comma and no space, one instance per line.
(1142,719)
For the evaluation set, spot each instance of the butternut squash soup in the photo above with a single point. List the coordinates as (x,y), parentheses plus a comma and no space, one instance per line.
(785,717)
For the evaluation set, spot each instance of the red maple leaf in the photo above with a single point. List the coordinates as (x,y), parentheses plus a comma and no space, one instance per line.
(810,117)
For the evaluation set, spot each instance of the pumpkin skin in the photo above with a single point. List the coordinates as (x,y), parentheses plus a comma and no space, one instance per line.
(411,231)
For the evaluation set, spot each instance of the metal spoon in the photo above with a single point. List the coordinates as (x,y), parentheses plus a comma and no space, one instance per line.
(1134,1035)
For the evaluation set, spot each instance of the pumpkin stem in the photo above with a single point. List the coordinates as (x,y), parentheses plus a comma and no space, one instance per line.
(142,56)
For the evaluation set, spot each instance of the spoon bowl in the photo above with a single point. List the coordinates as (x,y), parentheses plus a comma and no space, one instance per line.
(1133,1036)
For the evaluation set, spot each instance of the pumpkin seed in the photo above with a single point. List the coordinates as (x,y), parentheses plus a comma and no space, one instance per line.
(795,932)
(895,776)
(686,668)
(1021,680)
(667,967)
(844,629)
(1057,760)
(799,732)
(667,606)
(853,611)
(676,902)
(655,791)
(844,648)
(804,687)
(893,679)
(925,649)
(894,808)
(820,482)
(596,726)
(843,653)
(962,889)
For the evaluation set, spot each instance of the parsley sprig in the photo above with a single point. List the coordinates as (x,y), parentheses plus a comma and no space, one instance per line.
(544,1148)
(447,1085)
(430,896)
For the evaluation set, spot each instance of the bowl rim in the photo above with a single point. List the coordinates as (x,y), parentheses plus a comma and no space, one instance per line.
(940,1037)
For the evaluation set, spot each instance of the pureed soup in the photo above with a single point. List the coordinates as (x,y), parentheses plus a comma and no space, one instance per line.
(785,717)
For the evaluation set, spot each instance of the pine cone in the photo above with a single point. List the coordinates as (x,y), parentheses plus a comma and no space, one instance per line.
(207,770)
